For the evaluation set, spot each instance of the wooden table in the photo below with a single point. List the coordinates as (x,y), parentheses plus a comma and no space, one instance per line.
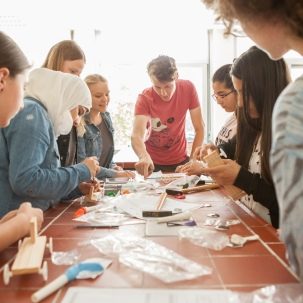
(257,264)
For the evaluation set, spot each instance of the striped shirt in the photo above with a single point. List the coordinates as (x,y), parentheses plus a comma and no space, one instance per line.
(287,169)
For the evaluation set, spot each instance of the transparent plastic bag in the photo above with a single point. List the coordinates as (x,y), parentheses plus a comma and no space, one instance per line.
(205,237)
(105,215)
(149,257)
(65,257)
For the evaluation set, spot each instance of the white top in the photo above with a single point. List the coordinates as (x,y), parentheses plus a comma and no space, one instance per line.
(228,130)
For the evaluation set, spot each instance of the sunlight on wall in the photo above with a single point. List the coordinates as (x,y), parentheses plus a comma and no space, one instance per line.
(119,38)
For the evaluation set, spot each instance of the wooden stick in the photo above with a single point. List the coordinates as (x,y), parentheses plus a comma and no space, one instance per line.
(91,193)
(199,188)
(161,201)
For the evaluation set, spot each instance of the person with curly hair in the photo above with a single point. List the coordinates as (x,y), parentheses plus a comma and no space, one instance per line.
(276,26)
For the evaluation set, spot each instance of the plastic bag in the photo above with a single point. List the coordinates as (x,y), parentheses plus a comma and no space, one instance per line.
(205,237)
(150,257)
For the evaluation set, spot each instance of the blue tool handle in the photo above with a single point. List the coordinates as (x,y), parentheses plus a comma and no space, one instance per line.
(72,272)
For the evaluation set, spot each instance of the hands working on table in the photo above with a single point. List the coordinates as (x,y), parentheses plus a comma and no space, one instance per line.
(224,174)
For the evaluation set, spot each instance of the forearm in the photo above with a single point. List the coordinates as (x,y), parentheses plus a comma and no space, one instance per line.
(106,173)
(12,230)
(139,147)
(49,183)
(198,140)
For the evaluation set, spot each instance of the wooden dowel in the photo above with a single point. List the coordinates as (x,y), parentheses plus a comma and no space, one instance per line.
(199,188)
(161,201)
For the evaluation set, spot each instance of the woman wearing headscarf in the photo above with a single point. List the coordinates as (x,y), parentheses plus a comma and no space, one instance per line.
(30,163)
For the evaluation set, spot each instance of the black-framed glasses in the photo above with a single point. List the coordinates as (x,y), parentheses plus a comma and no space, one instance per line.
(221,96)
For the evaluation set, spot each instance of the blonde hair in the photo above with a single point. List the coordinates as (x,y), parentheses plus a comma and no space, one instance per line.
(94,78)
(89,80)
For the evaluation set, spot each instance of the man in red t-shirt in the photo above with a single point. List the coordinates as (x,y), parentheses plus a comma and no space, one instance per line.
(158,136)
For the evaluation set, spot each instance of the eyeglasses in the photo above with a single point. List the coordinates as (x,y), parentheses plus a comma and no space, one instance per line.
(221,96)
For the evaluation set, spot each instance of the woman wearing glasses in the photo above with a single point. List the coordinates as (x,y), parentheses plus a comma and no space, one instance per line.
(225,95)
(258,81)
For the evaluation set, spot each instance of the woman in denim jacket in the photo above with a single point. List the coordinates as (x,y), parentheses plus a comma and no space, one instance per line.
(13,69)
(96,136)
(30,164)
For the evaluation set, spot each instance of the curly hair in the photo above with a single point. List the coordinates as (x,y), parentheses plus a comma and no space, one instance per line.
(229,11)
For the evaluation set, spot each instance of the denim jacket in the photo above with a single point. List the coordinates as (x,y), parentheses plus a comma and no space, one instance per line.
(91,144)
(30,164)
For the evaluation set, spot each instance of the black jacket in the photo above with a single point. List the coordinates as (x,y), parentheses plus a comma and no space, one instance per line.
(253,184)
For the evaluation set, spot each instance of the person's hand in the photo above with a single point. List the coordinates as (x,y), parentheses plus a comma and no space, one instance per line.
(180,168)
(203,150)
(125,174)
(116,167)
(145,166)
(224,174)
(93,165)
(192,168)
(29,212)
(85,187)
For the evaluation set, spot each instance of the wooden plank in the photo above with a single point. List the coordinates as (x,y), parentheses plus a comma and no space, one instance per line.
(30,256)
(214,159)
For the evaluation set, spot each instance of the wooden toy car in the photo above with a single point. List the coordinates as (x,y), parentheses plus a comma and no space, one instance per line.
(30,255)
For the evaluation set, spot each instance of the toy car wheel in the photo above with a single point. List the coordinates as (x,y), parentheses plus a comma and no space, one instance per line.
(44,271)
(50,245)
(6,274)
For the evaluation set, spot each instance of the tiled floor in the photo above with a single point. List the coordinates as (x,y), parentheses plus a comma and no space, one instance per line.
(257,264)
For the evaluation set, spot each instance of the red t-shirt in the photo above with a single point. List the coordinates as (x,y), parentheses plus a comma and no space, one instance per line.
(166,141)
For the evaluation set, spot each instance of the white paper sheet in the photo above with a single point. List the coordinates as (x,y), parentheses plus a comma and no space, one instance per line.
(134,204)
(150,295)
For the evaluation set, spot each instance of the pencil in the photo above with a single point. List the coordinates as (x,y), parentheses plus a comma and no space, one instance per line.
(161,200)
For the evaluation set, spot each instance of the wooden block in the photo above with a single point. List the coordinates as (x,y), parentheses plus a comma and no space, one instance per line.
(214,159)
(30,256)
(91,193)
(92,196)
(33,229)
